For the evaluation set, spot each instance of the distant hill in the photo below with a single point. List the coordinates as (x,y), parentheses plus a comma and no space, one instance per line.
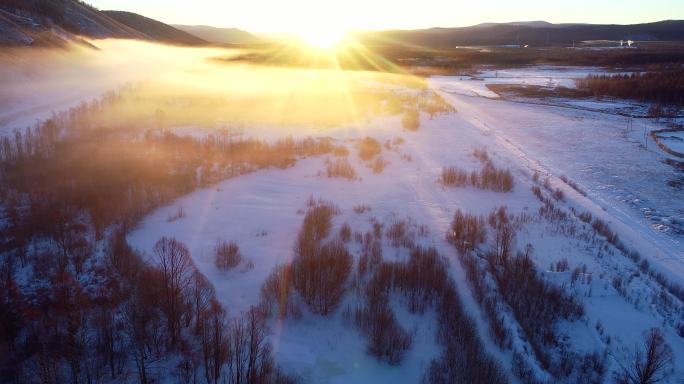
(59,22)
(536,33)
(154,29)
(220,35)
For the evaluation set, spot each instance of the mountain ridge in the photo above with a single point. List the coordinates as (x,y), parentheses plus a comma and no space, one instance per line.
(538,33)
(219,35)
(51,23)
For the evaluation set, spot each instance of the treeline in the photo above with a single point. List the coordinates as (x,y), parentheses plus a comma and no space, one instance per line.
(663,87)
(53,9)
(114,175)
(458,61)
(141,321)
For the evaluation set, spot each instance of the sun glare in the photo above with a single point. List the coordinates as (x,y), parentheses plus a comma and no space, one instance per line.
(322,38)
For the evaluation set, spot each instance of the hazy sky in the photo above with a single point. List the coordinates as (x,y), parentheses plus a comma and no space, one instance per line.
(297,15)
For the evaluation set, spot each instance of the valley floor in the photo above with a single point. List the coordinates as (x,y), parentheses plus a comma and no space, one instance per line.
(621,172)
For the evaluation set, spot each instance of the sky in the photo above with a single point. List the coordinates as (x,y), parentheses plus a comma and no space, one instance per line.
(307,15)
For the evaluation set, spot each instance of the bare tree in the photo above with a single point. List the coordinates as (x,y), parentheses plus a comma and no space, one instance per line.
(202,296)
(214,338)
(650,364)
(176,266)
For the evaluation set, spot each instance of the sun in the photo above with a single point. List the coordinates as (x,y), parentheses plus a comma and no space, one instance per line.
(322,38)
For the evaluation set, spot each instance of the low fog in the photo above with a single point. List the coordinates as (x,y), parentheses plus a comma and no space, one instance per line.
(185,85)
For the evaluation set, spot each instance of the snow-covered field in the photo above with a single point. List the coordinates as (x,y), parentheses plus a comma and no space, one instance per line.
(621,171)
(543,76)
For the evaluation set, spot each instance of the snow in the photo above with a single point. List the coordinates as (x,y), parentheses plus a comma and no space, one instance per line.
(268,202)
(673,140)
(594,149)
(262,212)
(543,76)
(271,201)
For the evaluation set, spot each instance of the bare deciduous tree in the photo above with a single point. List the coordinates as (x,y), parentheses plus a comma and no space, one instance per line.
(176,266)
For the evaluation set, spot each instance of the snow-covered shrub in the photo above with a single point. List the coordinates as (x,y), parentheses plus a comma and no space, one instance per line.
(573,185)
(562,265)
(361,209)
(482,155)
(340,168)
(603,229)
(378,165)
(317,223)
(467,231)
(369,148)
(320,273)
(536,304)
(558,194)
(411,120)
(371,257)
(497,180)
(387,340)
(226,255)
(585,217)
(345,232)
(504,232)
(454,177)
(340,151)
(651,363)
(275,294)
(489,177)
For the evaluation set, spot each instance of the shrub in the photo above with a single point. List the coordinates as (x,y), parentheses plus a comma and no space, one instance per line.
(387,341)
(378,165)
(361,209)
(650,363)
(340,151)
(369,148)
(454,177)
(340,168)
(558,194)
(317,224)
(345,232)
(275,293)
(536,304)
(320,275)
(226,255)
(495,179)
(411,120)
(482,155)
(489,177)
(603,229)
(585,217)
(466,231)
(398,234)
